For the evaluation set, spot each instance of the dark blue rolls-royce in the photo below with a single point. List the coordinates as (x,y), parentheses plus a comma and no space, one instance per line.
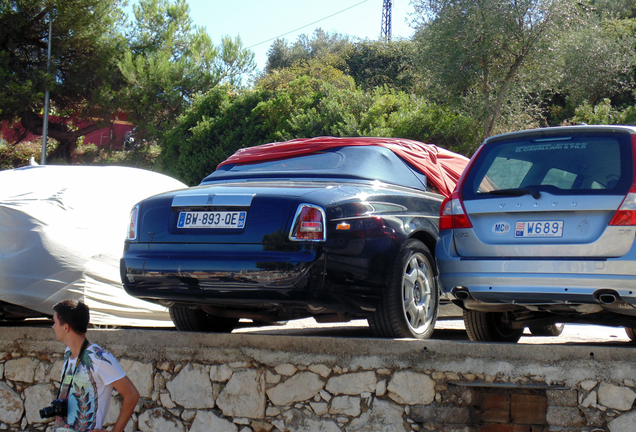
(330,228)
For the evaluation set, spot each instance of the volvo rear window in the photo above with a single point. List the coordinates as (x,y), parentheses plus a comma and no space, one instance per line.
(575,164)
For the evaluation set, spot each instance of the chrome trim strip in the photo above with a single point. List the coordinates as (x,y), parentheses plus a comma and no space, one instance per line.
(234,200)
(292,236)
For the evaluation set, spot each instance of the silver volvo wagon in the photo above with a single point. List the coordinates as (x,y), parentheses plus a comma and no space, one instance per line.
(540,231)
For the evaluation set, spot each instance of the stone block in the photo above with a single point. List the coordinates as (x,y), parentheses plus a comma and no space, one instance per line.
(440,414)
(352,383)
(383,416)
(505,428)
(140,374)
(617,397)
(593,417)
(347,405)
(563,398)
(301,387)
(565,416)
(22,369)
(626,422)
(159,420)
(528,409)
(411,388)
(192,388)
(11,406)
(244,395)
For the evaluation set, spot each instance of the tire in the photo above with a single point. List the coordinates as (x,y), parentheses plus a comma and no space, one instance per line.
(549,330)
(410,301)
(490,327)
(196,320)
(631,333)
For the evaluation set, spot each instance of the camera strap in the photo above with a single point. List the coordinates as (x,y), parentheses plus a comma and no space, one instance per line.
(77,363)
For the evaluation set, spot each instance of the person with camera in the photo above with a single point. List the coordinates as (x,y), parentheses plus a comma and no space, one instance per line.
(89,376)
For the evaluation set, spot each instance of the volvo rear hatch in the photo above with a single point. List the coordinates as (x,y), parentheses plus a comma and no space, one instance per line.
(557,193)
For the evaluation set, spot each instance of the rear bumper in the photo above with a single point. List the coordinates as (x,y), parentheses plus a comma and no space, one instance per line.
(545,283)
(248,277)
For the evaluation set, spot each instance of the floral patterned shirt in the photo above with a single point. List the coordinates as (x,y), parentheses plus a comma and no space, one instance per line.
(92,388)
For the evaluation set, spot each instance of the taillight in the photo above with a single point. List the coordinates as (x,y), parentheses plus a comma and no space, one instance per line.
(309,224)
(132,225)
(626,213)
(452,214)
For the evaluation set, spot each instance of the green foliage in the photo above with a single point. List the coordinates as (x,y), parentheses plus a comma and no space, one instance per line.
(18,155)
(486,47)
(218,123)
(283,55)
(308,100)
(151,69)
(370,63)
(604,114)
(378,63)
(169,61)
(434,123)
(83,45)
(596,59)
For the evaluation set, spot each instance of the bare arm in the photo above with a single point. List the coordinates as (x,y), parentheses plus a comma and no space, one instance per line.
(129,392)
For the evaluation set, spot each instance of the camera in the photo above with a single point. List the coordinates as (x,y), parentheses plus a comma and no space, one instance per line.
(58,408)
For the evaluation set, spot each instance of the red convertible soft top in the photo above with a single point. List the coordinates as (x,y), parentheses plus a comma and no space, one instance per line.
(441,167)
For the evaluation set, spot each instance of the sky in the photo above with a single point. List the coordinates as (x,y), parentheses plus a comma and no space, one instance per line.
(260,22)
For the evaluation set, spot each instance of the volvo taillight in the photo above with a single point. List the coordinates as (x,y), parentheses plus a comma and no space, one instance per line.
(452,214)
(132,225)
(626,213)
(309,224)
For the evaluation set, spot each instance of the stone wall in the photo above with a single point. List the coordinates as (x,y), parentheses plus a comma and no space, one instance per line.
(249,383)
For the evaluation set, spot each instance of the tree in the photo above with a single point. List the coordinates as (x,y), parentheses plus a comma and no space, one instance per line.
(169,61)
(151,68)
(83,45)
(379,63)
(306,100)
(484,46)
(282,55)
(217,124)
(597,59)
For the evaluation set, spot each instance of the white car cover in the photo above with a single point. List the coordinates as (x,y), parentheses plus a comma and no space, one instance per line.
(62,231)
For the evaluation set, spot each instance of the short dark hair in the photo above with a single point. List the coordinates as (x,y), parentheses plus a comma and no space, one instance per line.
(74,313)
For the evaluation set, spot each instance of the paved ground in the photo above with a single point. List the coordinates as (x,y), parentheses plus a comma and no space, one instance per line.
(452,330)
(573,334)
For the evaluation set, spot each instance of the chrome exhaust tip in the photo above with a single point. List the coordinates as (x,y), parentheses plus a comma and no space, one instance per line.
(607,298)
(461,293)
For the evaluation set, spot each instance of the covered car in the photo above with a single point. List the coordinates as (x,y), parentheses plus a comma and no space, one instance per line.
(61,233)
(330,228)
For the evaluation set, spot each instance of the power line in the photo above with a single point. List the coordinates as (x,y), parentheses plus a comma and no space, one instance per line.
(305,26)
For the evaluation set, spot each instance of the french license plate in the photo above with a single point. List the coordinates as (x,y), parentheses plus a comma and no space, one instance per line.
(205,219)
(539,229)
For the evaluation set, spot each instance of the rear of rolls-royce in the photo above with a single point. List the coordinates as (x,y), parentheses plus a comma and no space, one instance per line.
(247,246)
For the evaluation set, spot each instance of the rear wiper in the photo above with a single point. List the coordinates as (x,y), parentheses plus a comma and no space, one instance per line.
(516,192)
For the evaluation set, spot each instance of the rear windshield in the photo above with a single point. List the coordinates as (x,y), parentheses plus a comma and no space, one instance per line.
(573,164)
(354,162)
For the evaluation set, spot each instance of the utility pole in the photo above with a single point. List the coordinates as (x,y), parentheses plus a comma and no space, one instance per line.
(385,33)
(45,121)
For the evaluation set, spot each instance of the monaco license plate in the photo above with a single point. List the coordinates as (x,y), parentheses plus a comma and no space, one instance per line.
(539,229)
(212,219)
